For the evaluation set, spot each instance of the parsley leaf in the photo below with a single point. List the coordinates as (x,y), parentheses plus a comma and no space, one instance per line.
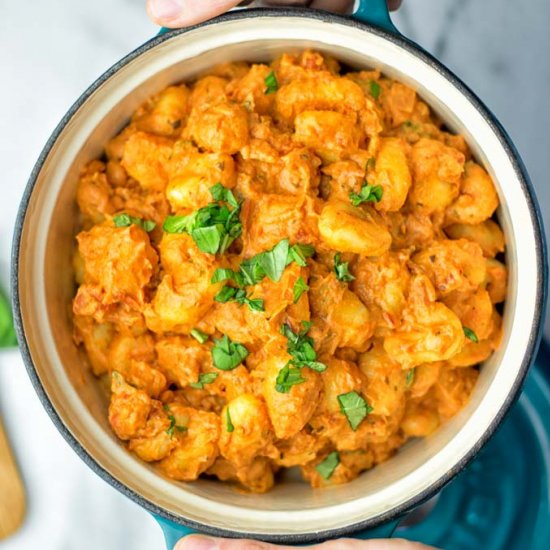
(341,270)
(300,347)
(228,422)
(300,286)
(410,377)
(172,426)
(271,83)
(354,407)
(125,220)
(222,194)
(213,227)
(204,378)
(273,262)
(375,89)
(298,253)
(368,193)
(199,335)
(288,376)
(228,355)
(470,334)
(327,467)
(232,294)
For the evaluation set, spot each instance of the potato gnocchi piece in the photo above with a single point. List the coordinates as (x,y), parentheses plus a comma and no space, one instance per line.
(437,170)
(477,200)
(197,445)
(488,235)
(452,265)
(145,159)
(347,228)
(430,331)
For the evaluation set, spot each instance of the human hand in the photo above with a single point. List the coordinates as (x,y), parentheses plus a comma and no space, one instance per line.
(199,542)
(182,13)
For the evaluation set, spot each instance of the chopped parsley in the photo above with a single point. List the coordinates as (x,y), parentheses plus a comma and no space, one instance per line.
(125,220)
(341,270)
(228,355)
(327,467)
(213,227)
(199,335)
(470,334)
(410,377)
(270,263)
(300,347)
(299,253)
(375,89)
(371,164)
(172,426)
(271,84)
(232,294)
(368,193)
(228,422)
(354,407)
(300,286)
(204,378)
(288,376)
(222,194)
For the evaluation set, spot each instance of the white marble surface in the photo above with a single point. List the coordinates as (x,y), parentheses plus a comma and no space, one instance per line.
(50,50)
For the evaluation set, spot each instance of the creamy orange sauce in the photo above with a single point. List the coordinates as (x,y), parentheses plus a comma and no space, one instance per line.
(396,288)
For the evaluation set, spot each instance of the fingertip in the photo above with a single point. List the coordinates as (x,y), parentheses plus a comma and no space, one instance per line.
(197,542)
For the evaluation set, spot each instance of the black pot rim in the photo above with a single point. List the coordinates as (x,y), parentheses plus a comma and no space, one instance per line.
(536,328)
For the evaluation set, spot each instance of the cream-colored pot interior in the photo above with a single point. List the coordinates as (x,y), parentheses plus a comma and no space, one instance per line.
(46,285)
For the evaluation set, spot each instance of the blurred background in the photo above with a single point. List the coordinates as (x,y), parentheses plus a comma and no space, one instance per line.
(50,51)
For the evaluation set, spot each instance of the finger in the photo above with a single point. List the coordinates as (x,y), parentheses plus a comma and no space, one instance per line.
(182,13)
(198,542)
(394,4)
(337,6)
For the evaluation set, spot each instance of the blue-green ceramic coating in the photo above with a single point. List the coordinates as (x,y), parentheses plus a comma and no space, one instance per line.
(376,13)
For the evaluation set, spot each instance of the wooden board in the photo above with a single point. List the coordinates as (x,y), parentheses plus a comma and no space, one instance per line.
(12,492)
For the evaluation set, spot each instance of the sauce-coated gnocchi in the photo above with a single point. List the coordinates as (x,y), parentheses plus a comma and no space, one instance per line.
(284,265)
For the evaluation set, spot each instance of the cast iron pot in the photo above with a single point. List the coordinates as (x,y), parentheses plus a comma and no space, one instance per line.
(42,280)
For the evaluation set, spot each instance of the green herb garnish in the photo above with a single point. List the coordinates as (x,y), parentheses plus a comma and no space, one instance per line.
(288,376)
(300,286)
(228,422)
(410,377)
(213,227)
(125,220)
(375,89)
(354,407)
(271,84)
(341,270)
(228,355)
(470,334)
(232,294)
(222,194)
(273,262)
(371,164)
(204,378)
(199,335)
(300,347)
(368,193)
(172,427)
(299,253)
(327,467)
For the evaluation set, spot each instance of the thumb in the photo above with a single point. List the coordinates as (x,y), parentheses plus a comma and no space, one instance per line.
(199,542)
(182,13)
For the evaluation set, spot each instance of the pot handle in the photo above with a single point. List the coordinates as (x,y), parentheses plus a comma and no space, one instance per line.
(174,531)
(375,12)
